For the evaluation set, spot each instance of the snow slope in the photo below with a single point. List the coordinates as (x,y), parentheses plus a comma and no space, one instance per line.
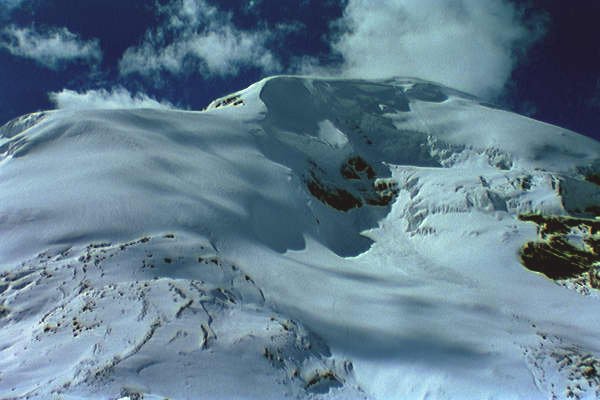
(302,238)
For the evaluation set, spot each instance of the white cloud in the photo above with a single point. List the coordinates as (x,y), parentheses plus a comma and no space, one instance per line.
(7,6)
(468,44)
(198,36)
(53,48)
(117,98)
(10,4)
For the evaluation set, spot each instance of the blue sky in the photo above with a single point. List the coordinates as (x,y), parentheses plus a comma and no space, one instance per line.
(538,57)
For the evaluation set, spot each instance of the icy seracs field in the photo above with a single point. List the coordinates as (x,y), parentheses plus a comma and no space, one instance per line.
(303,238)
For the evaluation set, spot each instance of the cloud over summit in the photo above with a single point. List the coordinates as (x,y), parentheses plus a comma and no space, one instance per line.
(472,45)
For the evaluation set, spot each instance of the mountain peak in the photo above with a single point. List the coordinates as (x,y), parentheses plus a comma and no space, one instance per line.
(306,237)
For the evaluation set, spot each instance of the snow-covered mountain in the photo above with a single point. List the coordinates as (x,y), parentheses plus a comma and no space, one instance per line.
(302,238)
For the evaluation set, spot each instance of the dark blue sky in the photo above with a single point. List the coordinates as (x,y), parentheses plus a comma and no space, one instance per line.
(560,75)
(187,52)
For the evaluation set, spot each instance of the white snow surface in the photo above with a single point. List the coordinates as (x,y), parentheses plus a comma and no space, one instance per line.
(174,254)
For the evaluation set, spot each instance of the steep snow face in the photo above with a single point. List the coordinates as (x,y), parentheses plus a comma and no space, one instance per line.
(302,238)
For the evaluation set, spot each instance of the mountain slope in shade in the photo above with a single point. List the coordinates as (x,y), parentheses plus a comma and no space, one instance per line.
(302,238)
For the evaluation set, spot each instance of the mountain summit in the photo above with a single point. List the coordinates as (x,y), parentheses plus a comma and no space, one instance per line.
(302,238)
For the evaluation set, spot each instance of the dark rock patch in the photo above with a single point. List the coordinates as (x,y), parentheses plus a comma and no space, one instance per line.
(323,381)
(339,199)
(356,168)
(594,178)
(551,225)
(555,256)
(358,186)
(234,100)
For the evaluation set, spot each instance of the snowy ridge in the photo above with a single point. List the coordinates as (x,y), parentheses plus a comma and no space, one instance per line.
(302,238)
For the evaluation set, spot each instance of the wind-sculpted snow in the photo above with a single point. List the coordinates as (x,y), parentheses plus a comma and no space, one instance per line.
(161,315)
(563,370)
(20,125)
(13,134)
(302,238)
